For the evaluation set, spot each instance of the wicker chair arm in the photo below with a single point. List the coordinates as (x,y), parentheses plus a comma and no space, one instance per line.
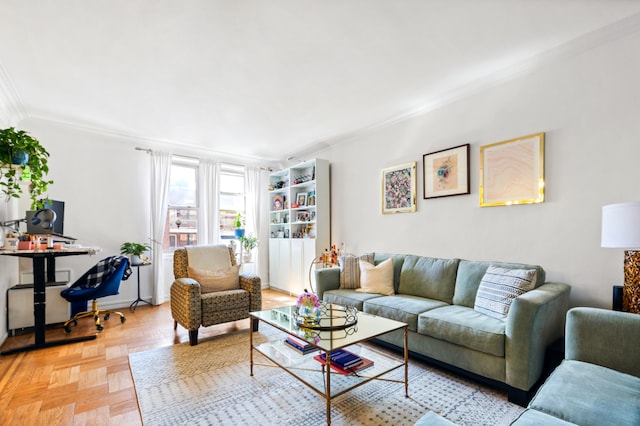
(186,305)
(252,284)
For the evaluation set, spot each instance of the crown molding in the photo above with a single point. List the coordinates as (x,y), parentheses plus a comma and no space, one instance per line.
(578,45)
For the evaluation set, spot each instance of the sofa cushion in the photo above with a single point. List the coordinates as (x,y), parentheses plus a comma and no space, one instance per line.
(401,307)
(428,277)
(350,269)
(376,279)
(465,327)
(537,418)
(587,394)
(470,274)
(347,297)
(499,287)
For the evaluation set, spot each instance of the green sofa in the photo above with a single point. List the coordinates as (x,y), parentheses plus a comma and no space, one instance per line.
(436,298)
(598,382)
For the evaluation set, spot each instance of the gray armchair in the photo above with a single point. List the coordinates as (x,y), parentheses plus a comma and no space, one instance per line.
(191,309)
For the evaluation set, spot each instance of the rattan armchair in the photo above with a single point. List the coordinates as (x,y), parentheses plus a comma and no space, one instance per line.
(191,309)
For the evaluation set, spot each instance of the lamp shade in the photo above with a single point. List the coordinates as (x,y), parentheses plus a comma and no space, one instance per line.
(621,226)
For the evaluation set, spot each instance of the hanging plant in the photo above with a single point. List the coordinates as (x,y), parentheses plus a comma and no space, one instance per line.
(23,158)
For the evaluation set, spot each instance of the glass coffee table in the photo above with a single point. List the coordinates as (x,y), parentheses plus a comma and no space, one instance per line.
(335,330)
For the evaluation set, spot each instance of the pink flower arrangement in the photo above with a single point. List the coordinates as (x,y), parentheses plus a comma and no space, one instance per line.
(308,300)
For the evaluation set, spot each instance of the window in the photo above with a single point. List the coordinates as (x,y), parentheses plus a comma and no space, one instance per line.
(232,199)
(181,228)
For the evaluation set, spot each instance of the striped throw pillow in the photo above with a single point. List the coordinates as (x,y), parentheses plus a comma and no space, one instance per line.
(498,288)
(350,270)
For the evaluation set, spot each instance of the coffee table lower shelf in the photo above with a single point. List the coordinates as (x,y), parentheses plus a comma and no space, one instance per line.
(314,375)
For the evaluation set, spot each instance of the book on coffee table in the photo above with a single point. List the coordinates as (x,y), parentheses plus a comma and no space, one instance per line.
(299,345)
(347,371)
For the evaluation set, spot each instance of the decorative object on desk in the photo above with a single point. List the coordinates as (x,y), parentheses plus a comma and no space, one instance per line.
(446,172)
(21,152)
(512,171)
(621,229)
(238,224)
(399,188)
(135,250)
(248,242)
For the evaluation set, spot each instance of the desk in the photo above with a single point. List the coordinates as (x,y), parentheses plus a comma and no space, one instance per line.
(39,295)
(139,299)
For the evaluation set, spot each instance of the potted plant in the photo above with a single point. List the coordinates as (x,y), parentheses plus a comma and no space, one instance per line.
(20,152)
(248,242)
(238,223)
(135,250)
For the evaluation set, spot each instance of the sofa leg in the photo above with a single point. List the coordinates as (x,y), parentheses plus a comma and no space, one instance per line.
(175,324)
(193,337)
(519,396)
(254,324)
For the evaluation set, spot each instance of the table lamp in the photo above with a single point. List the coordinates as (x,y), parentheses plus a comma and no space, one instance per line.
(621,229)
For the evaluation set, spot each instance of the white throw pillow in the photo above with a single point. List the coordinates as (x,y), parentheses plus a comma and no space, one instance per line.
(377,279)
(498,288)
(217,280)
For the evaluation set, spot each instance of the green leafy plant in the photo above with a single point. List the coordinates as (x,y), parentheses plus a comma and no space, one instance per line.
(249,242)
(238,223)
(17,146)
(134,249)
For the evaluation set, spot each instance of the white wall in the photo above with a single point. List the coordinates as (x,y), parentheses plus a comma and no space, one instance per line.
(104,183)
(587,103)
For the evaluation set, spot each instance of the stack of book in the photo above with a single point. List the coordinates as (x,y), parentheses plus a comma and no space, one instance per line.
(345,362)
(299,345)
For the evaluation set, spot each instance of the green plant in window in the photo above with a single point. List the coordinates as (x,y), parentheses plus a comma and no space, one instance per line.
(249,242)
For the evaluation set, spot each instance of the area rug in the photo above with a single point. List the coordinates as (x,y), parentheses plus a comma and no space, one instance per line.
(209,384)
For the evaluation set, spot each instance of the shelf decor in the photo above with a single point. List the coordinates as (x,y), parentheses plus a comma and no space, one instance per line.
(446,172)
(399,188)
(512,171)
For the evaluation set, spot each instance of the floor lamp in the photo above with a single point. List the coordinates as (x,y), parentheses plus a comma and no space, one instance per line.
(621,229)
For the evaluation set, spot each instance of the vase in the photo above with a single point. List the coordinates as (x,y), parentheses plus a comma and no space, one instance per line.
(20,157)
(135,260)
(239,232)
(310,315)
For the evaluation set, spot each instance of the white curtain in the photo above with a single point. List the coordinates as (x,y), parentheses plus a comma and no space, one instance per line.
(209,212)
(160,171)
(252,184)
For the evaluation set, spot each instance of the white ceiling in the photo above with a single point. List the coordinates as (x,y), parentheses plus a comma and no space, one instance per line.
(267,79)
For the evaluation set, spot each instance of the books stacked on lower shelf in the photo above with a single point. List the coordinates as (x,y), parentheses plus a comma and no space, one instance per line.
(299,345)
(345,362)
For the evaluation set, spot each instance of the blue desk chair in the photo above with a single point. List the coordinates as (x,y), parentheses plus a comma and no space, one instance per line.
(101,280)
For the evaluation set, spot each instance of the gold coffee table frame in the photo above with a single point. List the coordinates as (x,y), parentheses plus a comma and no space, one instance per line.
(322,379)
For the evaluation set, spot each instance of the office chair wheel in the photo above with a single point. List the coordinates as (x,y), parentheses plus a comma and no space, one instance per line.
(99,327)
(122,320)
(107,316)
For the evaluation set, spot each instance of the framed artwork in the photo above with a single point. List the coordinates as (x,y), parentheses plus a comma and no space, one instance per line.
(301,199)
(311,198)
(399,188)
(277,202)
(446,172)
(512,172)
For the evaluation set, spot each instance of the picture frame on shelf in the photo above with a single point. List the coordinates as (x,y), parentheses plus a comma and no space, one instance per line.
(399,188)
(278,202)
(512,171)
(301,199)
(446,172)
(311,198)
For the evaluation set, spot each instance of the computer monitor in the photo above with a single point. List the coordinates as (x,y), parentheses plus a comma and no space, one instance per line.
(38,222)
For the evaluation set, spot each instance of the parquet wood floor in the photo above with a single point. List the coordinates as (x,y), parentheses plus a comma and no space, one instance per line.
(89,383)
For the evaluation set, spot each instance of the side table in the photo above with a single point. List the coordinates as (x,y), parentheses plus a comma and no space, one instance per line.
(133,306)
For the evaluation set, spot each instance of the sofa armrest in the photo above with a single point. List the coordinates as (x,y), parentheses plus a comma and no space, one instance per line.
(535,320)
(252,284)
(327,279)
(607,338)
(186,305)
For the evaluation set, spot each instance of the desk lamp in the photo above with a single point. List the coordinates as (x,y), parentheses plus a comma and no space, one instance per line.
(621,229)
